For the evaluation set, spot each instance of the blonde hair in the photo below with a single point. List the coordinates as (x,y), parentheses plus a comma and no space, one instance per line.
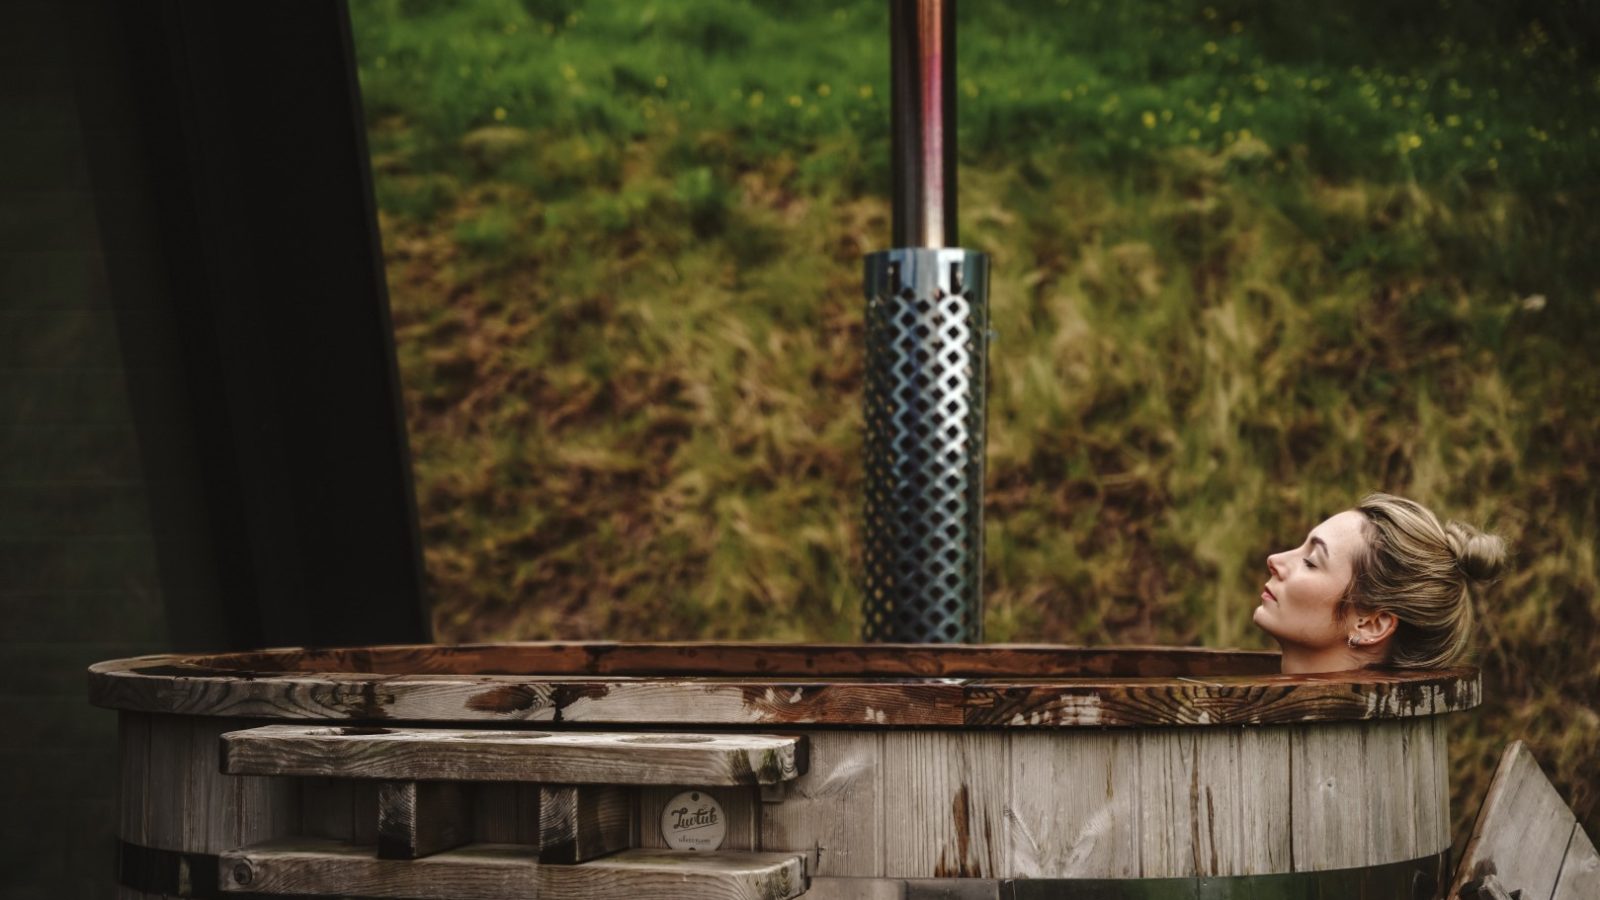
(1424,572)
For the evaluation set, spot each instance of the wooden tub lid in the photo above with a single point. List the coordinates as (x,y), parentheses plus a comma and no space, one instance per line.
(992,685)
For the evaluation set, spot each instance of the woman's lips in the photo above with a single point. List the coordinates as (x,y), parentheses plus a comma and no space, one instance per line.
(1266,594)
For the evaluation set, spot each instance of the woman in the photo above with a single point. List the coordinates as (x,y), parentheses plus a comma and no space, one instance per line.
(1384,584)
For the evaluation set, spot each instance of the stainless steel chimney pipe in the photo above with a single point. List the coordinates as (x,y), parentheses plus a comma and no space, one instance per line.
(926,363)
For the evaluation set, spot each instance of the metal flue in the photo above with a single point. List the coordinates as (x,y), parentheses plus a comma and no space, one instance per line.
(926,363)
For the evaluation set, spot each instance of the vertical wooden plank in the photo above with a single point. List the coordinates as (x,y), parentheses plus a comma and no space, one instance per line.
(170,750)
(1329,795)
(133,753)
(1074,804)
(215,796)
(1430,834)
(326,805)
(1263,803)
(1214,814)
(364,811)
(1441,769)
(831,811)
(1392,776)
(1523,831)
(739,804)
(581,822)
(1580,871)
(944,800)
(264,807)
(418,818)
(505,813)
(1168,783)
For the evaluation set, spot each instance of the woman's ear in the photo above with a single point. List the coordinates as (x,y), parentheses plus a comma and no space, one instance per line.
(1370,629)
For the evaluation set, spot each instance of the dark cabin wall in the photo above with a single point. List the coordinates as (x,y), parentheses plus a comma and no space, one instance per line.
(200,438)
(79,573)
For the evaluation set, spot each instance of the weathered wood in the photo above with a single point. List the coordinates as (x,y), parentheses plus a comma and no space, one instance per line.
(771,660)
(1168,803)
(833,810)
(836,888)
(944,801)
(1486,888)
(323,866)
(1431,831)
(678,875)
(580,823)
(168,765)
(505,813)
(741,806)
(1074,805)
(416,818)
(327,808)
(133,747)
(497,871)
(1262,808)
(1580,870)
(364,811)
(1523,829)
(1392,776)
(441,754)
(1328,792)
(202,685)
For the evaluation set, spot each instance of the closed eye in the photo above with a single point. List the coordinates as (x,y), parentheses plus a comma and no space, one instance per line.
(1310,564)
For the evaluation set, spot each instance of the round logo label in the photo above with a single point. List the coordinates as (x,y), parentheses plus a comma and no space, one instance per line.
(693,820)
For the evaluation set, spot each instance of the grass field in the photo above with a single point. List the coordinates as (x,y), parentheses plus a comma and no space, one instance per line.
(1250,261)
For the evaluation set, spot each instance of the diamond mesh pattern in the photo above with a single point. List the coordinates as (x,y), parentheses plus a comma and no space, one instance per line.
(927,356)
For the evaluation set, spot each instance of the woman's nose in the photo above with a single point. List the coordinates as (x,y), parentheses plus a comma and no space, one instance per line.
(1272,565)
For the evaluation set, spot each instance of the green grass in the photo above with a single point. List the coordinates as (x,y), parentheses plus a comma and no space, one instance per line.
(1250,261)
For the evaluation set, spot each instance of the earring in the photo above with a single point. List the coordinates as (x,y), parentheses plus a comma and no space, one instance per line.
(1353,642)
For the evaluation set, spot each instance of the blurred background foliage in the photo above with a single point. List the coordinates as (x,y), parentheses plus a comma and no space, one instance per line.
(1251,260)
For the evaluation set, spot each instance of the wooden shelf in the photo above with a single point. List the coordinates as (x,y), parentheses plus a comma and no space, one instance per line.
(496,871)
(449,754)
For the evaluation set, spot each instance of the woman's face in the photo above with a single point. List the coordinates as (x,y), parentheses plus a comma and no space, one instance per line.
(1304,585)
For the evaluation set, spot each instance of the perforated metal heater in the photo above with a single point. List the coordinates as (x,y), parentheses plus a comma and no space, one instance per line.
(926,363)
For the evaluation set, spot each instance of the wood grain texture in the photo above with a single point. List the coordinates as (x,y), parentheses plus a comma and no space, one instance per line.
(497,871)
(327,808)
(133,751)
(1580,870)
(1169,803)
(328,867)
(568,683)
(1392,778)
(416,818)
(167,814)
(1523,829)
(505,813)
(581,822)
(364,811)
(678,875)
(832,811)
(744,658)
(943,803)
(1430,785)
(836,888)
(442,754)
(1074,805)
(1329,793)
(1263,807)
(740,805)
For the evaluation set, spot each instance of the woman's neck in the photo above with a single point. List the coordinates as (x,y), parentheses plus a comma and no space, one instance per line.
(1305,660)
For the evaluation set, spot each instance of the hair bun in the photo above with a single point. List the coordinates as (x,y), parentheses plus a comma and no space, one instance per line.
(1480,556)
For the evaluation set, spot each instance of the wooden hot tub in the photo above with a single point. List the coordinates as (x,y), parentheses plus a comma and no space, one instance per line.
(836,771)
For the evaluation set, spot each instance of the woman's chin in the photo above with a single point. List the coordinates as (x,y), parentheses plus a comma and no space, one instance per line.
(1262,616)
